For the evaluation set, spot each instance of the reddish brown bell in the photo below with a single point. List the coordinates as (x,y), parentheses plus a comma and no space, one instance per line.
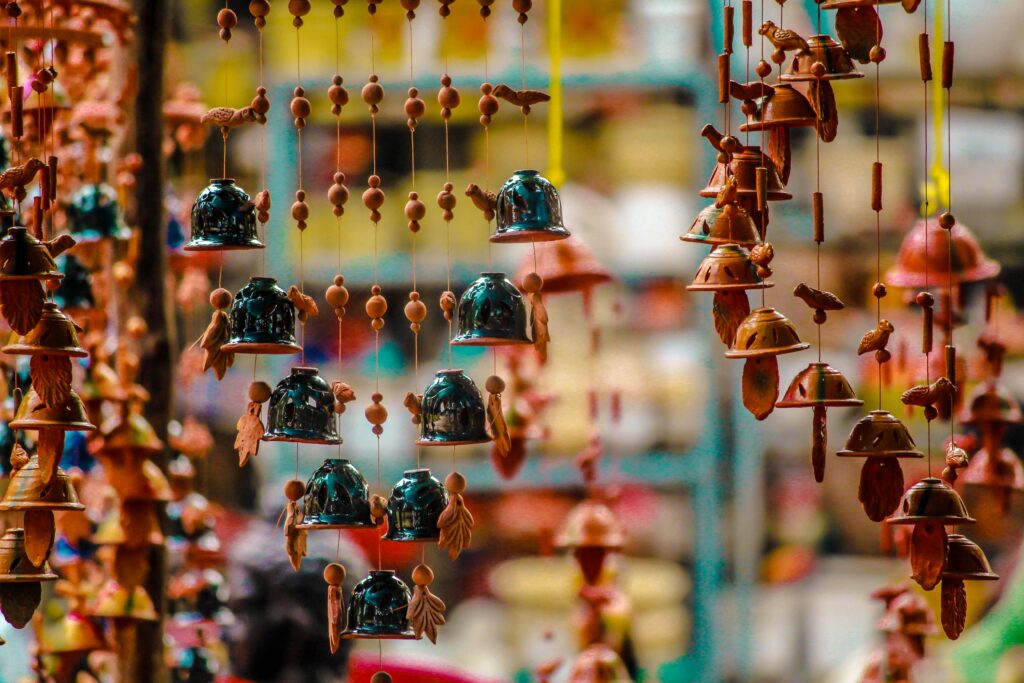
(727,267)
(1002,473)
(591,532)
(129,432)
(15,566)
(26,490)
(731,224)
(908,613)
(879,434)
(826,51)
(566,266)
(991,403)
(115,601)
(933,500)
(765,332)
(970,264)
(819,384)
(744,167)
(966,561)
(69,416)
(786,108)
(55,334)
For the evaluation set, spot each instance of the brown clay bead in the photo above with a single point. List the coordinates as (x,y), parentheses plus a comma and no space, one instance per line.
(925,299)
(883,356)
(818,69)
(294,489)
(448,303)
(763,69)
(298,8)
(334,574)
(259,392)
(446,200)
(533,283)
(877,54)
(381,677)
(879,290)
(455,483)
(447,97)
(930,413)
(415,210)
(376,413)
(337,296)
(259,8)
(749,107)
(337,94)
(337,194)
(227,18)
(378,506)
(494,385)
(422,575)
(300,106)
(415,310)
(220,298)
(415,107)
(778,56)
(376,305)
(819,316)
(488,103)
(261,103)
(947,221)
(373,93)
(523,7)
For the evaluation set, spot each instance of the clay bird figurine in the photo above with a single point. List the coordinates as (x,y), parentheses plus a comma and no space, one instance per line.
(761,255)
(929,394)
(754,90)
(14,179)
(877,339)
(343,394)
(228,117)
(956,459)
(520,98)
(728,194)
(413,402)
(818,299)
(59,244)
(304,304)
(783,38)
(485,200)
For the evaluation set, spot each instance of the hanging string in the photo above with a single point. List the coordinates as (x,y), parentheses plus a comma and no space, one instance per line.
(818,238)
(926,211)
(876,199)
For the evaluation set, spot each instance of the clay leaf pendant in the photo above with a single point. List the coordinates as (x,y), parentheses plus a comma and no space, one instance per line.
(22,304)
(539,326)
(729,310)
(760,385)
(18,601)
(780,151)
(881,487)
(51,378)
(823,100)
(426,613)
(498,427)
(819,442)
(456,525)
(335,616)
(215,336)
(294,538)
(858,29)
(954,607)
(927,553)
(39,531)
(50,448)
(250,431)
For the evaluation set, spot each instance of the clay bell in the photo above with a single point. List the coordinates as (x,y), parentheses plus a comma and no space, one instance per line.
(931,500)
(417,501)
(491,313)
(908,613)
(302,410)
(785,108)
(453,412)
(94,214)
(1001,471)
(879,434)
(765,332)
(829,53)
(26,490)
(262,320)
(591,532)
(55,334)
(727,267)
(991,403)
(731,224)
(114,601)
(129,432)
(69,416)
(71,633)
(337,497)
(74,295)
(743,167)
(599,663)
(15,567)
(566,266)
(378,608)
(909,5)
(819,384)
(969,262)
(23,257)
(223,218)
(528,210)
(966,561)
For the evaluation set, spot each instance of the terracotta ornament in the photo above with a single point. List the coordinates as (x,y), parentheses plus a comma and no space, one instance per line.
(455,522)
(334,575)
(216,335)
(294,537)
(426,610)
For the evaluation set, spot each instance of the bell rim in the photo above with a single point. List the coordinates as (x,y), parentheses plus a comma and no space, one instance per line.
(203,245)
(827,403)
(43,577)
(711,191)
(512,235)
(264,348)
(356,634)
(985,270)
(40,505)
(293,439)
(467,340)
(28,350)
(436,443)
(45,276)
(785,122)
(28,423)
(758,353)
(945,520)
(321,526)
(433,538)
(805,78)
(970,576)
(764,284)
(716,241)
(895,454)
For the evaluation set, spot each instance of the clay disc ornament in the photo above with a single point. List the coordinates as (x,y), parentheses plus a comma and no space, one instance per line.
(927,553)
(881,487)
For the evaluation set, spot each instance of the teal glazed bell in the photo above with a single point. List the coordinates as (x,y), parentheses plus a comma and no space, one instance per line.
(378,608)
(302,410)
(528,210)
(262,319)
(94,214)
(417,502)
(336,498)
(223,218)
(491,313)
(453,412)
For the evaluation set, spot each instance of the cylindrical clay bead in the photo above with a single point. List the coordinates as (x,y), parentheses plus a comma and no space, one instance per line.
(924,53)
(876,186)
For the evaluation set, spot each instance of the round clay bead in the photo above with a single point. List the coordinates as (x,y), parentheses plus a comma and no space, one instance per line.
(455,483)
(220,298)
(294,489)
(422,575)
(334,574)
(259,392)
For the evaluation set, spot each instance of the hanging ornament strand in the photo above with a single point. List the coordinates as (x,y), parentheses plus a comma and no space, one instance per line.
(947,221)
(261,106)
(448,98)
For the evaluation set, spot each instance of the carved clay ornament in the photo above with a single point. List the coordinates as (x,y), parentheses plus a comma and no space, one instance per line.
(455,522)
(426,610)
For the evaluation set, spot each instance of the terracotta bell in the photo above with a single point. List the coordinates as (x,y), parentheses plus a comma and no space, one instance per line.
(23,257)
(970,264)
(26,490)
(819,384)
(1002,471)
(879,434)
(599,663)
(74,295)
(71,633)
(931,500)
(966,561)
(765,332)
(591,532)
(743,167)
(129,431)
(223,218)
(302,410)
(908,613)
(991,403)
(15,567)
(567,266)
(828,52)
(528,210)
(908,5)
(262,320)
(731,224)
(94,214)
(727,267)
(785,108)
(491,313)
(416,504)
(337,497)
(453,412)
(55,334)
(145,525)
(378,608)
(114,601)
(69,416)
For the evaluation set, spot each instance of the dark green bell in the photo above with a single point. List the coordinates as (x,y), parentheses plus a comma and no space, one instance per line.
(453,412)
(223,218)
(94,214)
(491,313)
(75,290)
(336,498)
(528,210)
(262,319)
(378,608)
(302,410)
(417,502)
